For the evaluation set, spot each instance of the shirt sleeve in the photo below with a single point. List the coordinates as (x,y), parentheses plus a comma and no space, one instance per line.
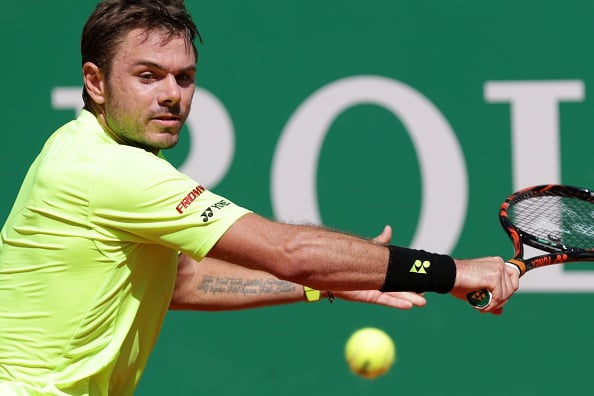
(139,197)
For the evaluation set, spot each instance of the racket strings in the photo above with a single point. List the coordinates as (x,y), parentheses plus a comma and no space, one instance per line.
(565,222)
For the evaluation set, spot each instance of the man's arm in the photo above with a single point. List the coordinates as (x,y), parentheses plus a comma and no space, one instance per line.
(215,285)
(328,260)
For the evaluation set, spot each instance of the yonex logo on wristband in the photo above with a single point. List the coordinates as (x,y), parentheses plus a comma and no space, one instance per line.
(419,267)
(429,271)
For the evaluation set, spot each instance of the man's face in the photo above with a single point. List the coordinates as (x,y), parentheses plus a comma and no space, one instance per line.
(149,89)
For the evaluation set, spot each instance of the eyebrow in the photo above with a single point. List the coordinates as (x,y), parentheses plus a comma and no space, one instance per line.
(158,66)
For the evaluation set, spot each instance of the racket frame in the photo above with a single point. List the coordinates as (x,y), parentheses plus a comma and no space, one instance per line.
(558,253)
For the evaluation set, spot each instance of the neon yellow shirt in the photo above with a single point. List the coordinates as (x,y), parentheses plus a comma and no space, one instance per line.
(88,259)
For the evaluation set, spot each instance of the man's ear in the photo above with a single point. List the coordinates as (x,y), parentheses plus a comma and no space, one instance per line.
(94,81)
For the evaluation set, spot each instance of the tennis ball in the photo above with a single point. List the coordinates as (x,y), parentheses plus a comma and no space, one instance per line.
(370,352)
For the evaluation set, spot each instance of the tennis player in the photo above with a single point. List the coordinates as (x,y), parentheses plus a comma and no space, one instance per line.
(105,234)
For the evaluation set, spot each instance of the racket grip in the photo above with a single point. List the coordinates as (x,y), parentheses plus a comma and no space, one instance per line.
(479,298)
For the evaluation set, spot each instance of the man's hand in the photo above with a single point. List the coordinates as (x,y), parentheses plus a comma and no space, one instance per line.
(399,300)
(486,273)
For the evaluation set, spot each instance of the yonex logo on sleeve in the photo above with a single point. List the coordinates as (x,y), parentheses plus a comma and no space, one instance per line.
(188,199)
(208,213)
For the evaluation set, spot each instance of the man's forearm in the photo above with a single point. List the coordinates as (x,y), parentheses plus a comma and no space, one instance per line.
(215,285)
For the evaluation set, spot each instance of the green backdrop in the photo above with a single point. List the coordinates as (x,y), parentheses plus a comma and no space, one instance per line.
(413,103)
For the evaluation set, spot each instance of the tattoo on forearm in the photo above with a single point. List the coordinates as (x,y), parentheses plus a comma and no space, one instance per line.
(216,285)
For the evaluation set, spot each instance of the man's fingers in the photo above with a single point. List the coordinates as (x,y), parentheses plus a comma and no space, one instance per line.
(385,236)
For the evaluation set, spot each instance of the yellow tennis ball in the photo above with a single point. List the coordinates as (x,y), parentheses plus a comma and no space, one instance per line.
(370,352)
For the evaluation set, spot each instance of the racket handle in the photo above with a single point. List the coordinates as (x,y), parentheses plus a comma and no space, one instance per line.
(481,298)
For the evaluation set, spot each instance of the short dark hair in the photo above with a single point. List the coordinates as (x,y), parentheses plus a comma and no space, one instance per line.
(113,19)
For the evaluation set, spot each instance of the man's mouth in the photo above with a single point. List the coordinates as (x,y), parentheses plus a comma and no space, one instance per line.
(167,117)
(168,120)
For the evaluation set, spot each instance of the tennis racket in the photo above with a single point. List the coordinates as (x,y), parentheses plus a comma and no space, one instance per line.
(556,219)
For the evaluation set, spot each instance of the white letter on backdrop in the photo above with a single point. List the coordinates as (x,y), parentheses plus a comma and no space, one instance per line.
(67,98)
(444,184)
(536,157)
(212,143)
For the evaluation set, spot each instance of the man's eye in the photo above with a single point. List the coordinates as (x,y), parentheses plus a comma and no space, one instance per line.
(185,79)
(147,76)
